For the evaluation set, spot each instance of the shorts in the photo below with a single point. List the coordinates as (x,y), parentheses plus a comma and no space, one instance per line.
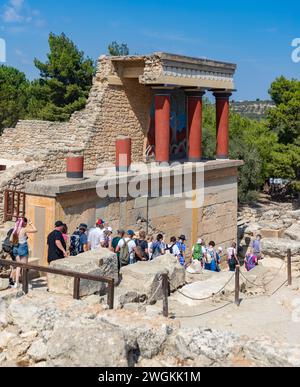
(21,251)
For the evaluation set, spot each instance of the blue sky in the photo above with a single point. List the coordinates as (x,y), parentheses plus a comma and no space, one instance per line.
(257,35)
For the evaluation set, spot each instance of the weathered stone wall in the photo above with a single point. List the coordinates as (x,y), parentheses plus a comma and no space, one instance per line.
(32,140)
(215,220)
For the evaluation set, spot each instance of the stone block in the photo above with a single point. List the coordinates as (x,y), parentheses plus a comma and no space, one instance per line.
(142,280)
(277,248)
(4,283)
(100,263)
(272,233)
(293,232)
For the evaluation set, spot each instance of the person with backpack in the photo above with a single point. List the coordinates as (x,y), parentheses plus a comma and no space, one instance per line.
(79,241)
(127,249)
(199,252)
(251,261)
(7,247)
(19,238)
(182,248)
(173,249)
(232,257)
(158,247)
(114,245)
(142,247)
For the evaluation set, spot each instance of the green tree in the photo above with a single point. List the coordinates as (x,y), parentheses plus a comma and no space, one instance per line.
(64,84)
(116,49)
(284,119)
(13,96)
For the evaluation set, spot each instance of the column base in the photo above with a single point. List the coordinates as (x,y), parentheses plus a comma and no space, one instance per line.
(75,175)
(225,157)
(195,159)
(122,169)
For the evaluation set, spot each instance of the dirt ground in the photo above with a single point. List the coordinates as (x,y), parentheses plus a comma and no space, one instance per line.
(276,316)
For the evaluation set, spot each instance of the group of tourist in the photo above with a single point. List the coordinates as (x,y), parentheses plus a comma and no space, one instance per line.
(131,247)
(128,246)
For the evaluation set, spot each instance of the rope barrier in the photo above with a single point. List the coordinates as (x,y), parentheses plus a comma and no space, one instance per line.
(281,286)
(208,312)
(267,283)
(206,298)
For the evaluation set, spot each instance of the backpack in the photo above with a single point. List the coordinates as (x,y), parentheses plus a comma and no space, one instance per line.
(250,262)
(171,248)
(232,262)
(75,244)
(124,253)
(198,252)
(7,245)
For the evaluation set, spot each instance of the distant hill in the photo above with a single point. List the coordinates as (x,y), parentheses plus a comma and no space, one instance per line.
(253,109)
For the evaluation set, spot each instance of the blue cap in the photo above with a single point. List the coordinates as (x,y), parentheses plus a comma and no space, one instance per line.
(130,232)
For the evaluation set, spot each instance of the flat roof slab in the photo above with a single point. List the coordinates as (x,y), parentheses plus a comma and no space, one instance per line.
(57,185)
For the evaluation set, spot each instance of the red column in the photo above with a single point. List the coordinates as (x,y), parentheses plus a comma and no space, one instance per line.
(75,165)
(222,111)
(194,107)
(123,154)
(162,127)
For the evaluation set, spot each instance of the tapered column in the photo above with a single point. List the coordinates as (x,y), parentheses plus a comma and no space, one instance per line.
(75,166)
(123,154)
(162,127)
(194,107)
(222,113)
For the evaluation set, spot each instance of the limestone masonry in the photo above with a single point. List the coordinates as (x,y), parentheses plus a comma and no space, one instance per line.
(156,101)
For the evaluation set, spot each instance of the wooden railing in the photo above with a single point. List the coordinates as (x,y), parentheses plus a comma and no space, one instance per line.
(77,277)
(14,205)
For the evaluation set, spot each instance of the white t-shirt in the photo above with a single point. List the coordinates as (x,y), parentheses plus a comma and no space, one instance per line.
(175,250)
(131,247)
(150,244)
(96,237)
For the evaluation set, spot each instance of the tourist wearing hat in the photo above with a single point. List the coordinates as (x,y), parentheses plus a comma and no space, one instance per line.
(79,240)
(199,252)
(56,243)
(96,237)
(182,248)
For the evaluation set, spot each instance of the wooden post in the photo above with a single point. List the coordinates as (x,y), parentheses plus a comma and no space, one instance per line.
(289,267)
(25,286)
(76,291)
(237,285)
(111,294)
(165,287)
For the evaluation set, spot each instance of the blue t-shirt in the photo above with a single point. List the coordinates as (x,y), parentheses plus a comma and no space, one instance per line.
(182,249)
(82,241)
(256,245)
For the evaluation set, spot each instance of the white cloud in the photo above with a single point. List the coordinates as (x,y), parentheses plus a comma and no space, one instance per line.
(19,12)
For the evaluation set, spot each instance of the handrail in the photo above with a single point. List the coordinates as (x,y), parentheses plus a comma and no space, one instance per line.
(66,273)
